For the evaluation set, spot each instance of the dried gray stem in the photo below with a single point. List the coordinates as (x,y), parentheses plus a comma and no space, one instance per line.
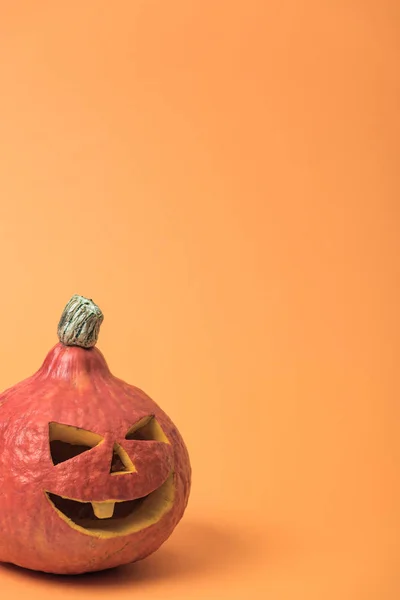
(80,323)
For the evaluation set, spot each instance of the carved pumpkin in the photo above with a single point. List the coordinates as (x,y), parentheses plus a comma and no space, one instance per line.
(93,474)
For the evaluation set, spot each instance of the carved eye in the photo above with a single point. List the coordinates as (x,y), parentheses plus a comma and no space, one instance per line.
(147,428)
(66,441)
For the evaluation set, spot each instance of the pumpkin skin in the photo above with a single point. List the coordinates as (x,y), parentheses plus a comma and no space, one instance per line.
(75,390)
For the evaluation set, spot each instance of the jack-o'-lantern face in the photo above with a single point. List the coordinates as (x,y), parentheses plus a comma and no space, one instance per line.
(93,474)
(110,517)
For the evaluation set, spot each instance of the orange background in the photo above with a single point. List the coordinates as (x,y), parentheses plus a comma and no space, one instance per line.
(222,179)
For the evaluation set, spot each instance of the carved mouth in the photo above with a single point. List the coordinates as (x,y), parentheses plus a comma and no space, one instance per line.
(115,518)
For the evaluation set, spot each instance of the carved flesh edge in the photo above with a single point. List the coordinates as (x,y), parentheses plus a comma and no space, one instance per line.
(105,523)
(126,463)
(148,428)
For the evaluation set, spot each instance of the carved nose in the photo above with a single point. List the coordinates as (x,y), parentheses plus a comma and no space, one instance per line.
(121,462)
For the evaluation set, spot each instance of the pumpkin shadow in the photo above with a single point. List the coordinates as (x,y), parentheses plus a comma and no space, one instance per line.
(195,548)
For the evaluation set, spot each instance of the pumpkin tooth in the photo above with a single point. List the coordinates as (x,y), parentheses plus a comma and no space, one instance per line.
(103,510)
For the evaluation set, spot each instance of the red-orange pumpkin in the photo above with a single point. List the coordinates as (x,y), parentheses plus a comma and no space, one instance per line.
(93,474)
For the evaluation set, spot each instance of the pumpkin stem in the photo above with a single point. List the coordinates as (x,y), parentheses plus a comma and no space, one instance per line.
(80,323)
